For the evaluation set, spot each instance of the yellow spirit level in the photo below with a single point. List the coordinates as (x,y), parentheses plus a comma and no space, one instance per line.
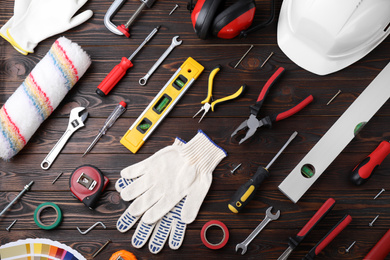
(160,106)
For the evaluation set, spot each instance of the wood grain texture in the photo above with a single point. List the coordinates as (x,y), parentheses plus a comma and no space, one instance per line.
(106,50)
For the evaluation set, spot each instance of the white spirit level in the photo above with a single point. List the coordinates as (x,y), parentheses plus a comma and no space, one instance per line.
(338,137)
(160,106)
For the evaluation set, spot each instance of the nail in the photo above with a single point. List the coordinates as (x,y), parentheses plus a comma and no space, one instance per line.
(272,53)
(377,195)
(100,249)
(10,226)
(174,9)
(372,222)
(59,175)
(232,171)
(349,248)
(243,56)
(334,97)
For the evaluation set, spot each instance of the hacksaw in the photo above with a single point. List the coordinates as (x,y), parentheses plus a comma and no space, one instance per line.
(338,136)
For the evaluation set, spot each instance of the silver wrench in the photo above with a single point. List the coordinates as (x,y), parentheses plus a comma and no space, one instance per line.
(76,121)
(268,218)
(174,43)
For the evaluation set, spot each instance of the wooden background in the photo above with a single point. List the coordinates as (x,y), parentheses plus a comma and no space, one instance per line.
(106,50)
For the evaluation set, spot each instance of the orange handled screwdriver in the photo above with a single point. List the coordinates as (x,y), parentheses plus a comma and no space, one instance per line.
(363,171)
(120,70)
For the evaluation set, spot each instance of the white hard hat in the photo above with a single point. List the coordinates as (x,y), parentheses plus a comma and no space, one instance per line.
(324,36)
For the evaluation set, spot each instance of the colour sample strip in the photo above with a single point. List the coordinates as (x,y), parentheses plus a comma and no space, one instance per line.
(53,251)
(37,248)
(15,251)
(45,249)
(68,256)
(59,253)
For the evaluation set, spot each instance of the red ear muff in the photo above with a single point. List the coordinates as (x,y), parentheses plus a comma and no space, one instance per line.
(238,17)
(203,16)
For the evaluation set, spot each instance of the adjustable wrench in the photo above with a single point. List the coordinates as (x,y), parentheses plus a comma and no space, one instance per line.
(268,218)
(174,43)
(76,121)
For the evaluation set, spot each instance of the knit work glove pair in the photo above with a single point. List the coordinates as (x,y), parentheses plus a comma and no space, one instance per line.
(36,20)
(168,189)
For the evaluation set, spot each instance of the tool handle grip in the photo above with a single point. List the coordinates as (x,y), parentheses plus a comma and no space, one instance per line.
(381,249)
(245,193)
(113,77)
(256,107)
(363,171)
(292,111)
(238,94)
(317,217)
(329,237)
(210,84)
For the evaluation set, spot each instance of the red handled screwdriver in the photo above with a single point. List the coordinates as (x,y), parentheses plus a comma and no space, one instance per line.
(343,223)
(120,70)
(320,214)
(363,171)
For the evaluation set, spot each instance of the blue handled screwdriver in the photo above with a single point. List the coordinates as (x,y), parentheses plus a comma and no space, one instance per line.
(118,111)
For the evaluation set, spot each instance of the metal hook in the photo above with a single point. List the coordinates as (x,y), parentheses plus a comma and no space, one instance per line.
(89,229)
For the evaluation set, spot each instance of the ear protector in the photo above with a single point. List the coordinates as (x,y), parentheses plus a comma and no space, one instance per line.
(207,18)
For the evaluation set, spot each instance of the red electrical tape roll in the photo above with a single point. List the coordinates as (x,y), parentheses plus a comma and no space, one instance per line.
(221,226)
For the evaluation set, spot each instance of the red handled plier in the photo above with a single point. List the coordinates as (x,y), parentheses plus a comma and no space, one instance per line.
(252,123)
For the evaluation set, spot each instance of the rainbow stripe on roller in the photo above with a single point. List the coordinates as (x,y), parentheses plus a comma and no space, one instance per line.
(63,64)
(10,131)
(37,97)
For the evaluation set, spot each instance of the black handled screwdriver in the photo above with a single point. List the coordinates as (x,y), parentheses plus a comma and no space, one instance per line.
(246,192)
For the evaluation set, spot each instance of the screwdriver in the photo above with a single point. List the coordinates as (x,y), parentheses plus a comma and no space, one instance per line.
(246,192)
(118,111)
(317,217)
(363,171)
(120,70)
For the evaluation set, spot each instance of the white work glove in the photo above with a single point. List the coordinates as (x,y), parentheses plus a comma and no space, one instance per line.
(168,176)
(43,19)
(20,8)
(170,225)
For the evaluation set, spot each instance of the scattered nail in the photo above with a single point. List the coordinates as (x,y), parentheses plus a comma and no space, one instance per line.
(272,53)
(372,222)
(59,175)
(10,226)
(174,9)
(334,97)
(349,248)
(100,249)
(243,56)
(377,195)
(238,166)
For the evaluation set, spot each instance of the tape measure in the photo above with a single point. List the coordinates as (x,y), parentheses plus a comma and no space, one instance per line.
(161,105)
(123,255)
(87,183)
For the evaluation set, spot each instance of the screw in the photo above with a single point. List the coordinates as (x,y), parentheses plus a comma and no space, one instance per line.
(232,171)
(338,92)
(372,222)
(349,248)
(10,226)
(377,195)
(174,8)
(272,53)
(243,56)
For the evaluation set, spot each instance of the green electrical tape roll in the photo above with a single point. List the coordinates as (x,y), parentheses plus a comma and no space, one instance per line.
(38,211)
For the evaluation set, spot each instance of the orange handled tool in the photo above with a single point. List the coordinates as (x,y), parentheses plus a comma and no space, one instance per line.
(119,70)
(363,171)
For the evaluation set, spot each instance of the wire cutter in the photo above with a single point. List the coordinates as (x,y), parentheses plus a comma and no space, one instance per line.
(252,123)
(206,103)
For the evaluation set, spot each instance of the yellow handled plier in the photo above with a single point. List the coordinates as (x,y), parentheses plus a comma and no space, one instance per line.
(206,103)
